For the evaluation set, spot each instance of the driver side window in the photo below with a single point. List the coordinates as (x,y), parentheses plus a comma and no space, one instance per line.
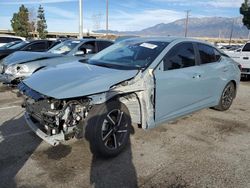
(180,56)
(88,48)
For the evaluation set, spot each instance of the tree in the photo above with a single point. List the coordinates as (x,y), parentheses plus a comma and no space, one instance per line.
(32,21)
(41,23)
(245,11)
(20,22)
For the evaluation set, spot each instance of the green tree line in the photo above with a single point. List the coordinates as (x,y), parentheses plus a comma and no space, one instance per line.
(24,23)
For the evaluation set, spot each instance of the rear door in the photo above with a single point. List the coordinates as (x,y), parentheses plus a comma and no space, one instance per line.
(211,63)
(179,87)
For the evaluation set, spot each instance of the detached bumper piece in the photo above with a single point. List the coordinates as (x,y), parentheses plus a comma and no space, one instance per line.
(53,140)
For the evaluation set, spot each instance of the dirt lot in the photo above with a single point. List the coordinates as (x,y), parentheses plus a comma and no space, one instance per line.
(206,149)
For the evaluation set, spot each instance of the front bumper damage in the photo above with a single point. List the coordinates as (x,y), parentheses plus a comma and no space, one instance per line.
(58,120)
(53,120)
(35,127)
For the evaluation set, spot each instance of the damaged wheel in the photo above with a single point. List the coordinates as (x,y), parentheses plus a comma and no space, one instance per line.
(108,128)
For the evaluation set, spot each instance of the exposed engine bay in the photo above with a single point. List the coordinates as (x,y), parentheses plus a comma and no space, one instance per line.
(54,117)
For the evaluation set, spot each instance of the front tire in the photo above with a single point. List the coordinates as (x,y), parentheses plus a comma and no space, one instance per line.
(108,128)
(227,97)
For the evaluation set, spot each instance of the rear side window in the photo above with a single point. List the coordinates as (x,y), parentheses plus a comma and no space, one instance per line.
(208,54)
(180,56)
(246,48)
(39,46)
(103,44)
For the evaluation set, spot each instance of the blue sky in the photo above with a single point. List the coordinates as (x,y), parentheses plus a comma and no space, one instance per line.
(62,15)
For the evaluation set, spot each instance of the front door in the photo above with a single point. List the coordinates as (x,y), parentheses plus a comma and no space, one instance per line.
(178,83)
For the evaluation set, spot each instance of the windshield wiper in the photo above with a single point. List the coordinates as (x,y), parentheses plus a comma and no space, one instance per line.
(102,65)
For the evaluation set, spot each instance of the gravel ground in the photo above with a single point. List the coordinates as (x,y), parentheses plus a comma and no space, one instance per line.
(206,149)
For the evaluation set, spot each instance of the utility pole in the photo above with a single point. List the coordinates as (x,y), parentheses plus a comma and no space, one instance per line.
(187,19)
(231,33)
(80,20)
(107,17)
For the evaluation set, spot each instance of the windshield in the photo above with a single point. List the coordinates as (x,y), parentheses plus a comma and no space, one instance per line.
(8,45)
(64,47)
(19,45)
(129,54)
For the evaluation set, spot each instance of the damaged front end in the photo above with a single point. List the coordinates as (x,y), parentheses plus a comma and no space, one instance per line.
(57,120)
(54,120)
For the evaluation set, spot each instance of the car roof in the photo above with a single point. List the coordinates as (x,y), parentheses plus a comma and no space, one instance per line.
(11,36)
(33,40)
(169,39)
(89,39)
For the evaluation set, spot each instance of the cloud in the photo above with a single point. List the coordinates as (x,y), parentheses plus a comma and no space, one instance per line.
(14,2)
(207,3)
(59,12)
(124,21)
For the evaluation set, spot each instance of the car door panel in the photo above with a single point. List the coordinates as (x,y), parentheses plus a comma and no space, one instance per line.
(178,91)
(179,83)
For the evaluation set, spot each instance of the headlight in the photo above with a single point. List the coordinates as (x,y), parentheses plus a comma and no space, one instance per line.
(17,69)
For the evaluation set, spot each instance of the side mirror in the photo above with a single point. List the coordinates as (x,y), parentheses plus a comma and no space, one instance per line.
(79,53)
(89,51)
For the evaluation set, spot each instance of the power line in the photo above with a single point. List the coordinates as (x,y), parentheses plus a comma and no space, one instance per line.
(107,17)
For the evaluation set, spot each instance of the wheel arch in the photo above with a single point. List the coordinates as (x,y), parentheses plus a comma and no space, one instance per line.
(235,87)
(132,102)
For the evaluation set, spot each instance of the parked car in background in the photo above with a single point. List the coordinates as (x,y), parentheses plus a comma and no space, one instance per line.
(20,65)
(32,46)
(243,58)
(4,39)
(143,81)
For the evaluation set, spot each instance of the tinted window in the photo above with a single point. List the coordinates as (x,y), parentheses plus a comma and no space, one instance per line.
(246,48)
(39,46)
(16,39)
(88,47)
(103,44)
(208,54)
(180,56)
(5,39)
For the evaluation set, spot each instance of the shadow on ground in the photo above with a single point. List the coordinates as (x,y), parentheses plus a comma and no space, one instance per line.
(17,143)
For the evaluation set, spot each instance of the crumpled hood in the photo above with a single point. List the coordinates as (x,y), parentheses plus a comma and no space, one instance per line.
(76,79)
(23,57)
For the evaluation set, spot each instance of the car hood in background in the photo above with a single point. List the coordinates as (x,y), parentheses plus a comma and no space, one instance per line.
(23,57)
(76,79)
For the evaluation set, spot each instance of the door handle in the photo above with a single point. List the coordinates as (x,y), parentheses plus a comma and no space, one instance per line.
(225,69)
(196,76)
(245,58)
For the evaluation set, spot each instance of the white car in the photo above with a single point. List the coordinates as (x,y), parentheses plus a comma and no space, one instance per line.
(242,57)
(4,39)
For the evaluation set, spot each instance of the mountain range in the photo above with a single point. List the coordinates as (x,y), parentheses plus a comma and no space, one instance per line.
(216,27)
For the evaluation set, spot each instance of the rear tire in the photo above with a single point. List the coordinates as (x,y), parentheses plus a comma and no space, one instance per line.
(108,128)
(227,97)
